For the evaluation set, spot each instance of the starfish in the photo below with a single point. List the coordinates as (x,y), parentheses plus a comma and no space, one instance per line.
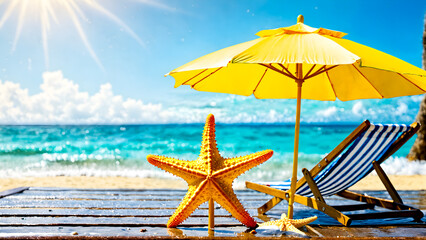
(210,176)
(291,225)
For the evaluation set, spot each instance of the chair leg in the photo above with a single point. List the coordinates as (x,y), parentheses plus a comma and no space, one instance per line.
(414,212)
(279,195)
(310,202)
(384,203)
(388,185)
(269,205)
(323,207)
(320,202)
(312,185)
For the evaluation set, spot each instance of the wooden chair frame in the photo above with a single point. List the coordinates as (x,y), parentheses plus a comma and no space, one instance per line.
(318,202)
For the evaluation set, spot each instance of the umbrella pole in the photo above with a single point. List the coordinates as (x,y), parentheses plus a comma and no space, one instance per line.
(296,140)
(211,214)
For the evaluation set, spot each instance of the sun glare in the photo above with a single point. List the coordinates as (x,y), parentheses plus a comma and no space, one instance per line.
(47,14)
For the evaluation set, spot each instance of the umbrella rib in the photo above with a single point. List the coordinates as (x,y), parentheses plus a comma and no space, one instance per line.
(193,85)
(194,76)
(368,80)
(260,80)
(321,70)
(315,73)
(332,86)
(411,82)
(277,70)
(310,70)
(286,69)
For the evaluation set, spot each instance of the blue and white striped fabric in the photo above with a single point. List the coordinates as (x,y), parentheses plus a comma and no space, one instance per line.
(353,164)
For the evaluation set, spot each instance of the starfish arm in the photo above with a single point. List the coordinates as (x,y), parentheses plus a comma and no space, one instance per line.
(192,200)
(302,222)
(209,134)
(237,166)
(290,228)
(180,168)
(291,225)
(225,196)
(209,149)
(270,223)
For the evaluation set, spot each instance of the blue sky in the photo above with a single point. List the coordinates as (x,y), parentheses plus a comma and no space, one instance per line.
(171,33)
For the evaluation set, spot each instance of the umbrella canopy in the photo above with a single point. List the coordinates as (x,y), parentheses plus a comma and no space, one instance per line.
(282,60)
(333,68)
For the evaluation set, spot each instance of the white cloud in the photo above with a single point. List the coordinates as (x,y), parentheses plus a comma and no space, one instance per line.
(61,101)
(328,112)
(358,109)
(401,109)
(417,98)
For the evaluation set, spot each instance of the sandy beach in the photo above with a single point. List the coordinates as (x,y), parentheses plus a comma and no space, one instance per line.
(412,182)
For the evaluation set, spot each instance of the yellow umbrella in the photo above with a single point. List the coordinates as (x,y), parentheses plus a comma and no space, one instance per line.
(277,64)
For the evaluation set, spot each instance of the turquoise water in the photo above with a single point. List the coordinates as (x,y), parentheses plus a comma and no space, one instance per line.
(121,150)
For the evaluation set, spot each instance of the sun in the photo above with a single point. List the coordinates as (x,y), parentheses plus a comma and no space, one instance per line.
(73,9)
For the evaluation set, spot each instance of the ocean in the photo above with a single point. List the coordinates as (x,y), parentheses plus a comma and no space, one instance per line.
(121,150)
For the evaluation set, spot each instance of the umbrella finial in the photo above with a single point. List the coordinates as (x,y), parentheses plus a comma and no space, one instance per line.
(300,19)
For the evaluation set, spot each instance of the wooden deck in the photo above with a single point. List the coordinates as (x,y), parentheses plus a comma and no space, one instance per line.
(138,213)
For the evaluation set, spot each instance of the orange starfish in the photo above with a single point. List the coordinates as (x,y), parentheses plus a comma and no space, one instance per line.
(210,177)
(291,225)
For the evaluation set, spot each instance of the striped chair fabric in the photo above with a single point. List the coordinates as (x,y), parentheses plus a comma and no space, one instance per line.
(353,164)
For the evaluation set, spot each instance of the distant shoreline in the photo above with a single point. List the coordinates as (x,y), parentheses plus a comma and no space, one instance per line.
(401,182)
(285,124)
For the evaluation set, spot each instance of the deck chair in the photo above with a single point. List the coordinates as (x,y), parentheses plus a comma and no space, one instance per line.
(354,158)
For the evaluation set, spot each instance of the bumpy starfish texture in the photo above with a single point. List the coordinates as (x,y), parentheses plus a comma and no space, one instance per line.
(291,225)
(210,177)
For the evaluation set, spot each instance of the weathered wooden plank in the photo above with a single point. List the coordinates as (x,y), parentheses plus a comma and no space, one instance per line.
(16,203)
(221,232)
(131,213)
(116,195)
(386,214)
(149,214)
(96,197)
(12,191)
(121,190)
(59,189)
(241,192)
(121,232)
(5,203)
(410,197)
(110,221)
(57,203)
(124,204)
(71,231)
(106,213)
(100,192)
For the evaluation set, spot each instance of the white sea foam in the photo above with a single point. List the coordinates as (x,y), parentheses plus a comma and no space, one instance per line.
(91,172)
(392,166)
(402,166)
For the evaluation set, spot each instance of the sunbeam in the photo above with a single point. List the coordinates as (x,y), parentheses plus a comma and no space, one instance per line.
(72,8)
(8,12)
(156,4)
(20,24)
(45,27)
(114,18)
(47,13)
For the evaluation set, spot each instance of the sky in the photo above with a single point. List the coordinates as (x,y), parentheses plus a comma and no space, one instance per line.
(104,61)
